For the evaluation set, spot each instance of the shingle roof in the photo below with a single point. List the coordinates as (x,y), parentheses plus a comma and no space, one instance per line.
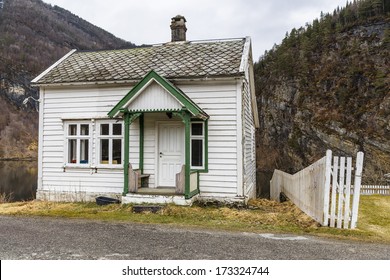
(172,60)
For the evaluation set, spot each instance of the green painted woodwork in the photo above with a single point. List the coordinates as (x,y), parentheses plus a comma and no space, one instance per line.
(141,143)
(182,115)
(197,191)
(153,111)
(187,123)
(205,168)
(192,194)
(134,116)
(191,106)
(126,165)
(129,119)
(206,147)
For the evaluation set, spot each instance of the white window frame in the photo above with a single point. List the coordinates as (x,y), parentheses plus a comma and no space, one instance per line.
(110,138)
(78,137)
(198,137)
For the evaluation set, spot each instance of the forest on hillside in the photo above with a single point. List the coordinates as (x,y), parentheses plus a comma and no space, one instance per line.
(327,86)
(309,42)
(33,35)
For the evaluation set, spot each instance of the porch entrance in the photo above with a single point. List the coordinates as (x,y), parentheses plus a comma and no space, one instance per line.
(173,150)
(170,154)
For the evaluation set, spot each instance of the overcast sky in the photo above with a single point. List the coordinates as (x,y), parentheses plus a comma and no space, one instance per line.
(147,21)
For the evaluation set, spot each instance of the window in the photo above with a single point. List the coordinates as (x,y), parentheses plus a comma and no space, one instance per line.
(78,143)
(197,145)
(110,143)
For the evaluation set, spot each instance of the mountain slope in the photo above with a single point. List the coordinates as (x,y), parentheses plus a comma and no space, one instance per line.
(327,86)
(33,35)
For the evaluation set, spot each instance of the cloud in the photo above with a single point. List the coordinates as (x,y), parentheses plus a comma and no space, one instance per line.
(147,21)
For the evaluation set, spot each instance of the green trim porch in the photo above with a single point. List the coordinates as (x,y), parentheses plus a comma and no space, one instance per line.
(175,105)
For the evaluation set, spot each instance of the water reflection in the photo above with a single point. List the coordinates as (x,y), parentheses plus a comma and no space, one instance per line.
(18,180)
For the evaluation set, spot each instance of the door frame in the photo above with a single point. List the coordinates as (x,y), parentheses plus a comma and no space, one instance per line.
(156,156)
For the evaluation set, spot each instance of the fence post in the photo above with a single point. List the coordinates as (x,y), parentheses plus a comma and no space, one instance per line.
(328,170)
(341,193)
(356,191)
(335,172)
(348,193)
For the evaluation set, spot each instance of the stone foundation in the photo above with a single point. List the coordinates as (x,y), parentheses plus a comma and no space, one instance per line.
(73,196)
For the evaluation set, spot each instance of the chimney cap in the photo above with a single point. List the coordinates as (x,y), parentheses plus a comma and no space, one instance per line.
(178,18)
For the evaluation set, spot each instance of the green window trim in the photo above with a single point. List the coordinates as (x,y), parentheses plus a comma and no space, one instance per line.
(205,138)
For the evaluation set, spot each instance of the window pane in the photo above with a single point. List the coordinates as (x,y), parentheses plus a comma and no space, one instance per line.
(104,129)
(84,151)
(104,159)
(73,129)
(72,151)
(117,129)
(196,152)
(116,151)
(84,129)
(197,129)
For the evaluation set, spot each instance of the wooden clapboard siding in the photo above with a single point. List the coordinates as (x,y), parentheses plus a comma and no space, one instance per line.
(70,103)
(249,143)
(219,101)
(154,97)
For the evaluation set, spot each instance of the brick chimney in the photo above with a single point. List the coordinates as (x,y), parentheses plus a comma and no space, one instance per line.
(178,28)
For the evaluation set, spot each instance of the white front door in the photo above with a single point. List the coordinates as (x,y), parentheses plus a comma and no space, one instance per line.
(170,153)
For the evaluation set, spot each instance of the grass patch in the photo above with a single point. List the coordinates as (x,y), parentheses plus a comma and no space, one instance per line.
(374,215)
(261,216)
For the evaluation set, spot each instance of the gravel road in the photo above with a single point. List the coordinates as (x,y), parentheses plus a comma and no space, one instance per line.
(68,239)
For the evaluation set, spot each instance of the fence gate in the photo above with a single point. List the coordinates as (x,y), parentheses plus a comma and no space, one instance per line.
(328,190)
(340,205)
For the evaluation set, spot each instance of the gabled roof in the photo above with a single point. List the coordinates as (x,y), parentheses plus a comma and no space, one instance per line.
(197,59)
(177,95)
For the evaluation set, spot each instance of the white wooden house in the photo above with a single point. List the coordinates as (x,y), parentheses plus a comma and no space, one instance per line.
(165,123)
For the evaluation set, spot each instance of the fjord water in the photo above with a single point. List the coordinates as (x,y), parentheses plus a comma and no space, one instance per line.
(18,180)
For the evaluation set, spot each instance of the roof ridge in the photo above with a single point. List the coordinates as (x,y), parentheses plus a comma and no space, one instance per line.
(144,46)
(218,40)
(118,49)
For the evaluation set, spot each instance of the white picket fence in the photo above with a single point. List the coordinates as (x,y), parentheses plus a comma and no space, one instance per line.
(323,190)
(374,189)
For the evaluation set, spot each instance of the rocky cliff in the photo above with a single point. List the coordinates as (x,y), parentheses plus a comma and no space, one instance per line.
(327,86)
